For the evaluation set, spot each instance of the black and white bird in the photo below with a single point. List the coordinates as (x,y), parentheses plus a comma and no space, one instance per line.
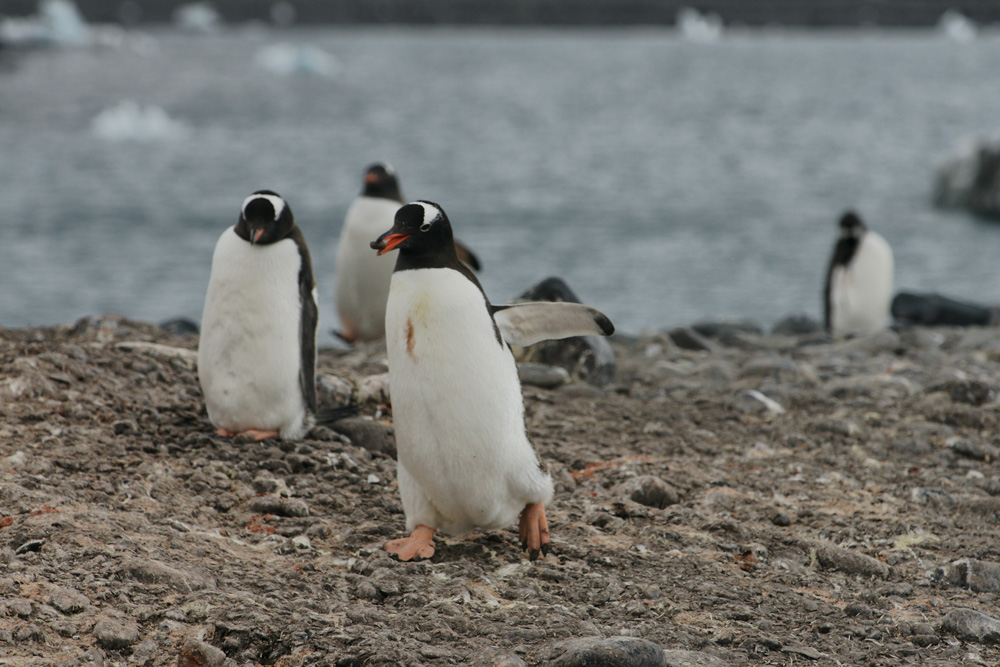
(257,351)
(859,282)
(361,287)
(464,459)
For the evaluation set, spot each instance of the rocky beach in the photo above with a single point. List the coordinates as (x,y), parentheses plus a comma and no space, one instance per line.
(729,497)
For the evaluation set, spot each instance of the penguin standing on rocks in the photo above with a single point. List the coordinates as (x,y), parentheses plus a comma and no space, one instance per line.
(859,281)
(464,459)
(257,351)
(362,282)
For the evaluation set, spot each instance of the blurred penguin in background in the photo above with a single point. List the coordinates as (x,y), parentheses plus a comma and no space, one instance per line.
(859,281)
(361,286)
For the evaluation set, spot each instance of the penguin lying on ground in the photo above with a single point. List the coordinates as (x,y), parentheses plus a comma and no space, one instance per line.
(362,282)
(859,281)
(257,351)
(465,461)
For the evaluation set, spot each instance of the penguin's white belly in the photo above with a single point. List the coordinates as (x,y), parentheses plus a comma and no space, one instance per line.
(861,292)
(362,277)
(249,353)
(457,408)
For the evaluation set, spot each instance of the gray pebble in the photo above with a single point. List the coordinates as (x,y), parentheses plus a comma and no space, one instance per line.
(976,575)
(650,491)
(367,434)
(115,635)
(195,652)
(832,557)
(154,572)
(859,609)
(972,625)
(67,600)
(976,449)
(21,607)
(689,339)
(623,652)
(542,375)
(781,519)
(289,507)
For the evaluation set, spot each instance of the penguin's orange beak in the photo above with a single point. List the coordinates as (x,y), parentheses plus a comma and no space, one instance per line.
(388,241)
(255,235)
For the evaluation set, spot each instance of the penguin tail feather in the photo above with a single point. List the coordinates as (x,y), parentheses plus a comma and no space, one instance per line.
(327,416)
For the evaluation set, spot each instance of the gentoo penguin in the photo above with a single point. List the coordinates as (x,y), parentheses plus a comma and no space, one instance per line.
(362,280)
(464,457)
(859,282)
(257,352)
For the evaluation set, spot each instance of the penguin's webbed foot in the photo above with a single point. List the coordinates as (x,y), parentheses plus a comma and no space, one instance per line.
(534,530)
(418,546)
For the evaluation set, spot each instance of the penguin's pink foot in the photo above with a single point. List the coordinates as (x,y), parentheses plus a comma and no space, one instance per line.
(252,433)
(418,546)
(534,530)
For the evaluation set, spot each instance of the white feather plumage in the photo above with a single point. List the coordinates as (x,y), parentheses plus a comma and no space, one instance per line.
(861,291)
(465,461)
(249,353)
(361,286)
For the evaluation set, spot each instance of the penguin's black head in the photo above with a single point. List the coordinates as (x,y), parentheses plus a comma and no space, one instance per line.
(381,182)
(265,218)
(851,225)
(420,228)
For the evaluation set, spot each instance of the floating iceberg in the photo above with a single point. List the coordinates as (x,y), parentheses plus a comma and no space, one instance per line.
(697,27)
(58,22)
(956,26)
(130,121)
(285,59)
(197,17)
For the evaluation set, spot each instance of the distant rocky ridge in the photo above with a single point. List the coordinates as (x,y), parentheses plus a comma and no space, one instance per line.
(812,13)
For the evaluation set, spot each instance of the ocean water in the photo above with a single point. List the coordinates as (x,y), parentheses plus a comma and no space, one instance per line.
(667,181)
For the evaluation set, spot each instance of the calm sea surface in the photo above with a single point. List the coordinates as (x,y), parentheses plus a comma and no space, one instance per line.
(666,181)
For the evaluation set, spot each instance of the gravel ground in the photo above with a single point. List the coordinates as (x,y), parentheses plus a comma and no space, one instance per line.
(758,500)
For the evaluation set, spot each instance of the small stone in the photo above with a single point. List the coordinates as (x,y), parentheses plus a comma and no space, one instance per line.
(542,375)
(114,635)
(807,651)
(333,390)
(374,388)
(67,600)
(771,643)
(976,575)
(859,609)
(976,449)
(972,625)
(125,427)
(622,652)
(650,491)
(972,392)
(832,557)
(21,607)
(288,507)
(781,519)
(925,640)
(196,653)
(301,542)
(154,572)
(689,339)
(902,589)
(13,462)
(28,633)
(367,434)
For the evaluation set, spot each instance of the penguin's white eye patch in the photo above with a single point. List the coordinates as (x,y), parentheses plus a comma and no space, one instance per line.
(277,203)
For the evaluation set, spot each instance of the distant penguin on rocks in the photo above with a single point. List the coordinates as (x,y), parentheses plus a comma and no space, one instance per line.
(859,282)
(464,459)
(257,350)
(362,279)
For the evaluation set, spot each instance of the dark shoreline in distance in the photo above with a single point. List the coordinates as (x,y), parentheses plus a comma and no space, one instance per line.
(800,13)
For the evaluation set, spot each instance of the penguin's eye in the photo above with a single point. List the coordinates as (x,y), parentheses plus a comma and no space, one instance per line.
(424,227)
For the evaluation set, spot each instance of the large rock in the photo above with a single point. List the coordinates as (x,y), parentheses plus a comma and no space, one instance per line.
(971,180)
